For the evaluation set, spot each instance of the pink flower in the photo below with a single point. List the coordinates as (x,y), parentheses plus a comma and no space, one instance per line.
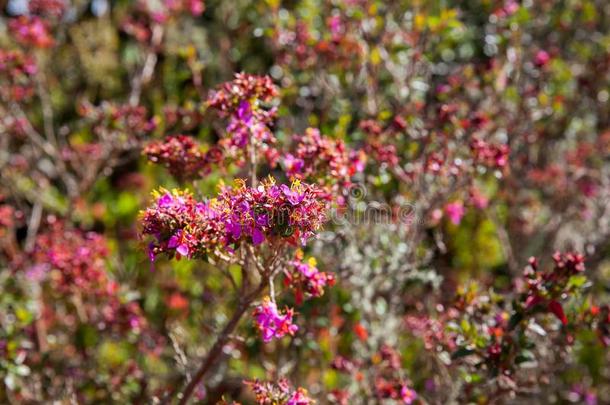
(305,277)
(31,30)
(455,211)
(48,8)
(335,26)
(490,155)
(407,395)
(181,225)
(299,397)
(273,324)
(278,392)
(323,159)
(179,242)
(542,58)
(511,7)
(293,165)
(478,199)
(196,7)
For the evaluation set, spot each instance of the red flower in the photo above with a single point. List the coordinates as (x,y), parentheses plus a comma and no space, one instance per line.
(361,332)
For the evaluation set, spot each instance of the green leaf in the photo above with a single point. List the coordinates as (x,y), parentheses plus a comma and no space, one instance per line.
(577,281)
(461,352)
(514,320)
(524,356)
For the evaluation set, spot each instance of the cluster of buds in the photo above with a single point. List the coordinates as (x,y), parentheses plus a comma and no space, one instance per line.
(333,43)
(294,46)
(48,8)
(186,118)
(384,368)
(326,160)
(340,47)
(74,262)
(280,393)
(248,135)
(305,278)
(388,383)
(241,102)
(244,87)
(161,11)
(118,118)
(489,155)
(455,212)
(182,156)
(34,29)
(376,146)
(7,219)
(31,31)
(273,323)
(16,69)
(546,288)
(150,13)
(269,211)
(183,226)
(430,330)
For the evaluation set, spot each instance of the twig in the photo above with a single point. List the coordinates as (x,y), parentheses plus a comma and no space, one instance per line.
(33,226)
(47,109)
(252,161)
(148,68)
(216,350)
(513,266)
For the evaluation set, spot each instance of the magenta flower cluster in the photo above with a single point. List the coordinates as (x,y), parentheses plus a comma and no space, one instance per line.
(241,102)
(488,154)
(327,161)
(31,31)
(16,71)
(162,11)
(185,227)
(74,262)
(181,226)
(270,211)
(305,278)
(273,323)
(279,393)
(182,156)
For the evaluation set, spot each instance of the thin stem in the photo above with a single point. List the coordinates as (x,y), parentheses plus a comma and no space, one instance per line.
(148,68)
(33,226)
(47,109)
(509,255)
(46,147)
(214,353)
(272,289)
(252,161)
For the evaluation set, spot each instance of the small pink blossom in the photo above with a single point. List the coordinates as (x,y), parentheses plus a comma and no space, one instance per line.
(272,323)
(32,31)
(407,395)
(299,397)
(542,58)
(455,211)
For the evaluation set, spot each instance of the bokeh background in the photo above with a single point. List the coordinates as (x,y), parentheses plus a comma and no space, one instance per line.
(530,79)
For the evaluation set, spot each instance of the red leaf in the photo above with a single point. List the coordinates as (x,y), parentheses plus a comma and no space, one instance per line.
(556,308)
